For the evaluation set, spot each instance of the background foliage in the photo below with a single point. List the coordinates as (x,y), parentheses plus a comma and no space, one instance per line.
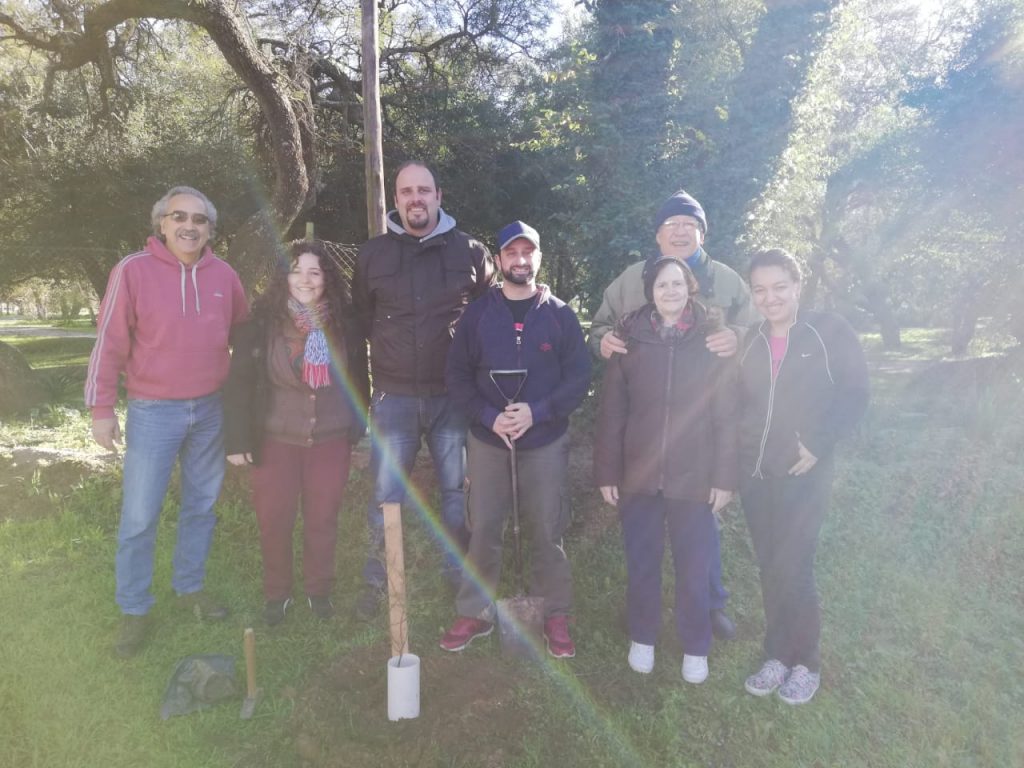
(877,139)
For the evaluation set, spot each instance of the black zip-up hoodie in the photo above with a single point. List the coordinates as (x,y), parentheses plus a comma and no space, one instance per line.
(820,394)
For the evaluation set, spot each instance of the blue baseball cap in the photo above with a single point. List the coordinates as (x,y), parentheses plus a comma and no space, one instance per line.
(515,230)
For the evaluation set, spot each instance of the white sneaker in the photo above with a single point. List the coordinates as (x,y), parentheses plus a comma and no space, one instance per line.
(641,658)
(695,668)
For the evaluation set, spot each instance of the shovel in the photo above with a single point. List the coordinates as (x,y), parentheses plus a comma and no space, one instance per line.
(520,618)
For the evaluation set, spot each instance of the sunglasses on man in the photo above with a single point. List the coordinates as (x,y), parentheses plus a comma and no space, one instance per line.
(180,217)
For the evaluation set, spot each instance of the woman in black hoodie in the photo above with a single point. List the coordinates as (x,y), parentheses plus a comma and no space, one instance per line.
(803,386)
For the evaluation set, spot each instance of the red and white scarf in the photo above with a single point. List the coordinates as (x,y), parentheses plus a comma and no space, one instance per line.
(316,358)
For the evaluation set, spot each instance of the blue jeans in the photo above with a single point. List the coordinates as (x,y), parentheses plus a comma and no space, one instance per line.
(158,432)
(397,425)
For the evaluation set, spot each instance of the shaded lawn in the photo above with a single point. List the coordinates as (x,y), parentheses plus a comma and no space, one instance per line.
(919,568)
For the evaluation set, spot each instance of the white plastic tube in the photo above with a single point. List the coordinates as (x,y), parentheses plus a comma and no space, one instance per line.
(404,687)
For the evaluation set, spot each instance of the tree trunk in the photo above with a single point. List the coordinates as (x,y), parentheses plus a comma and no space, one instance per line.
(19,389)
(888,325)
(965,323)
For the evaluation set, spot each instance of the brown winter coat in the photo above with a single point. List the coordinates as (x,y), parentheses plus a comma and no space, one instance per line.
(668,415)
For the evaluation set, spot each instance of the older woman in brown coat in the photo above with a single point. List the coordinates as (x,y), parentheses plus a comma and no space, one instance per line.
(666,454)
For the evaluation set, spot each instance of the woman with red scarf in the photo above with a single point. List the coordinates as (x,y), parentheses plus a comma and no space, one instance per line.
(295,404)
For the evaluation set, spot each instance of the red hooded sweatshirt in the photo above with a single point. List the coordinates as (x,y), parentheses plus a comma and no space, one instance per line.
(165,325)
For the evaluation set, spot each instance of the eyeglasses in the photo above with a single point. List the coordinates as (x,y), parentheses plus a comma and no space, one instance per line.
(180,217)
(679,224)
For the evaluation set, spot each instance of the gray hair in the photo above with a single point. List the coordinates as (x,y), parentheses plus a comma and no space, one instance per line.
(160,207)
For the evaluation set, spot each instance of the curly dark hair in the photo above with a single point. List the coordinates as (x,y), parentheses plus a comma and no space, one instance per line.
(273,302)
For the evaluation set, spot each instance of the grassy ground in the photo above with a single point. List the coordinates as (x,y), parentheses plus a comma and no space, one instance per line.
(919,568)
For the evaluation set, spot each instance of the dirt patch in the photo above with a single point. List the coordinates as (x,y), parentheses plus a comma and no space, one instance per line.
(33,480)
(341,717)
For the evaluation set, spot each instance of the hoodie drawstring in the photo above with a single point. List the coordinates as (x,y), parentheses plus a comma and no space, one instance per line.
(182,267)
(195,287)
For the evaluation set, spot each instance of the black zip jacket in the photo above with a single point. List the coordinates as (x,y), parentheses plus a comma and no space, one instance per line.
(408,295)
(820,394)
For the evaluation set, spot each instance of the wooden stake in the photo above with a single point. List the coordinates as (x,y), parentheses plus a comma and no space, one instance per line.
(395,557)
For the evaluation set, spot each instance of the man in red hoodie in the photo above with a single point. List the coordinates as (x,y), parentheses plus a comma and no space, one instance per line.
(164,323)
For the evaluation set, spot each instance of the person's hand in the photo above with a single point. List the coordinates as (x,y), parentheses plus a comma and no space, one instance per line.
(719,500)
(107,432)
(806,462)
(610,493)
(502,428)
(612,345)
(520,418)
(239,459)
(723,343)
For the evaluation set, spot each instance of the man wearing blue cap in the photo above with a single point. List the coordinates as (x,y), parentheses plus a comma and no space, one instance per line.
(679,229)
(518,328)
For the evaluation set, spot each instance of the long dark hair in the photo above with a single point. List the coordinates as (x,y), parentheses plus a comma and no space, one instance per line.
(273,302)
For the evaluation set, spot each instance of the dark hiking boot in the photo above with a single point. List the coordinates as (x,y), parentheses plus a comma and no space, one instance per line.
(132,635)
(275,610)
(322,607)
(369,602)
(722,626)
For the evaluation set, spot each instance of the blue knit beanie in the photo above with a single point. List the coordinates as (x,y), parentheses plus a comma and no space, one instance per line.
(681,204)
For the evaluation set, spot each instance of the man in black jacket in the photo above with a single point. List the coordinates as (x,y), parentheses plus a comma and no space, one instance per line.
(409,289)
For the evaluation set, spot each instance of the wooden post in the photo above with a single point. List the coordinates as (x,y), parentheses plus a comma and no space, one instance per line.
(372,143)
(395,557)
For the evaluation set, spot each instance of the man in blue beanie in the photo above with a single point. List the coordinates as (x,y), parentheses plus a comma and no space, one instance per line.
(679,229)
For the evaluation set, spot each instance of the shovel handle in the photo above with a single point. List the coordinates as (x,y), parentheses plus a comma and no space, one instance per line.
(249,645)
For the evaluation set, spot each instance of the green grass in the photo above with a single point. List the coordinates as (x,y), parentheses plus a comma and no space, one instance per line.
(45,353)
(60,362)
(919,566)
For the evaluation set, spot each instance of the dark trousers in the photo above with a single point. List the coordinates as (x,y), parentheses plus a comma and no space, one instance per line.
(691,535)
(317,474)
(784,515)
(719,594)
(541,473)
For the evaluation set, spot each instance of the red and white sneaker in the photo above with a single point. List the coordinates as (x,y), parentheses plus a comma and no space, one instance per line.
(556,632)
(464,631)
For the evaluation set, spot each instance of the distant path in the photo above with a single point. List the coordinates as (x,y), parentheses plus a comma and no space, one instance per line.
(45,332)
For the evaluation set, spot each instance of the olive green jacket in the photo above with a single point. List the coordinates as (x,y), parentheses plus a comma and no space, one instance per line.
(626,294)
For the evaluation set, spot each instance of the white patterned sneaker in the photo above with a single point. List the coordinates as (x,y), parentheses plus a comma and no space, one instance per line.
(800,686)
(641,658)
(695,668)
(771,675)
